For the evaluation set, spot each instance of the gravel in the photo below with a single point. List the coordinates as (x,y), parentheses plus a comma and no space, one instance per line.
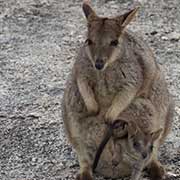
(38,43)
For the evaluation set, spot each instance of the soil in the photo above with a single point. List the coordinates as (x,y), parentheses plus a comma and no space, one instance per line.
(38,43)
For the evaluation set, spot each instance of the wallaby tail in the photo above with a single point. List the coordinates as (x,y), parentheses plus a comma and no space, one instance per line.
(102,145)
(108,134)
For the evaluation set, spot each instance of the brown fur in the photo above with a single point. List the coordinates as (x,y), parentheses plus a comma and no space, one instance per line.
(130,86)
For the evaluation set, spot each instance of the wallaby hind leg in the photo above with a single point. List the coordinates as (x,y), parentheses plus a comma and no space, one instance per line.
(84,147)
(85,161)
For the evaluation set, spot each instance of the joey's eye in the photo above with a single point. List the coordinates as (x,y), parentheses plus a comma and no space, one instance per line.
(151,148)
(114,42)
(88,42)
(136,145)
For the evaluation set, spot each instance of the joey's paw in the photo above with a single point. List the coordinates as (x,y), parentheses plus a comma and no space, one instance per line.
(84,176)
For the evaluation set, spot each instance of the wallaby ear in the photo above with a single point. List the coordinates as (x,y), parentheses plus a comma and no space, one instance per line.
(155,135)
(88,11)
(120,123)
(132,128)
(126,18)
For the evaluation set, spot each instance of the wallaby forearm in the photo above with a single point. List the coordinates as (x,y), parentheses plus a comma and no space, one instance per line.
(87,95)
(120,102)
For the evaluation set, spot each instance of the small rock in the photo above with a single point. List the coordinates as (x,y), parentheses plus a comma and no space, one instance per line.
(34,159)
(174,36)
(177,110)
(66,39)
(34,115)
(164,38)
(171,175)
(153,32)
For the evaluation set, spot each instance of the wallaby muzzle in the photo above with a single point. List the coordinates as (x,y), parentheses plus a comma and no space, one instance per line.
(99,64)
(144,155)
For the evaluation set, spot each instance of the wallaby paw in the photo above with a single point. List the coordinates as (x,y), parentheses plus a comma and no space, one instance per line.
(111,115)
(93,109)
(84,176)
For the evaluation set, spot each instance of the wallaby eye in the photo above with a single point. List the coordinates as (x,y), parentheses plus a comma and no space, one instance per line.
(151,148)
(88,42)
(136,145)
(114,42)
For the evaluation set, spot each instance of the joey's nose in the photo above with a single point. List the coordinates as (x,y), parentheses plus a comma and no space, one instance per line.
(99,64)
(144,155)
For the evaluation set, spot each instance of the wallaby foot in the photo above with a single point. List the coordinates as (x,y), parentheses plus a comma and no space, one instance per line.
(85,175)
(156,170)
(85,162)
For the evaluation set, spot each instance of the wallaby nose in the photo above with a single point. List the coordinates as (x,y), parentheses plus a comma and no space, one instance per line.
(144,155)
(99,64)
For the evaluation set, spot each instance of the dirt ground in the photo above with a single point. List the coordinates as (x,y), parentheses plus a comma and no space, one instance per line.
(38,42)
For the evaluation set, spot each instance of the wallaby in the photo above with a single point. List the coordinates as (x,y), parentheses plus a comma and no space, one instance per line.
(139,149)
(113,69)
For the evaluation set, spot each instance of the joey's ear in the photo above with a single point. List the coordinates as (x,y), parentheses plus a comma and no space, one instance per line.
(155,135)
(126,18)
(120,123)
(88,11)
(119,128)
(132,128)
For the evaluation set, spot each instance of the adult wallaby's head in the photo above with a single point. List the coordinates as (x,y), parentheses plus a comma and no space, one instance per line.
(139,144)
(104,36)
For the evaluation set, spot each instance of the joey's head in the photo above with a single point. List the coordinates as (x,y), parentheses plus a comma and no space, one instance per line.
(139,145)
(104,37)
